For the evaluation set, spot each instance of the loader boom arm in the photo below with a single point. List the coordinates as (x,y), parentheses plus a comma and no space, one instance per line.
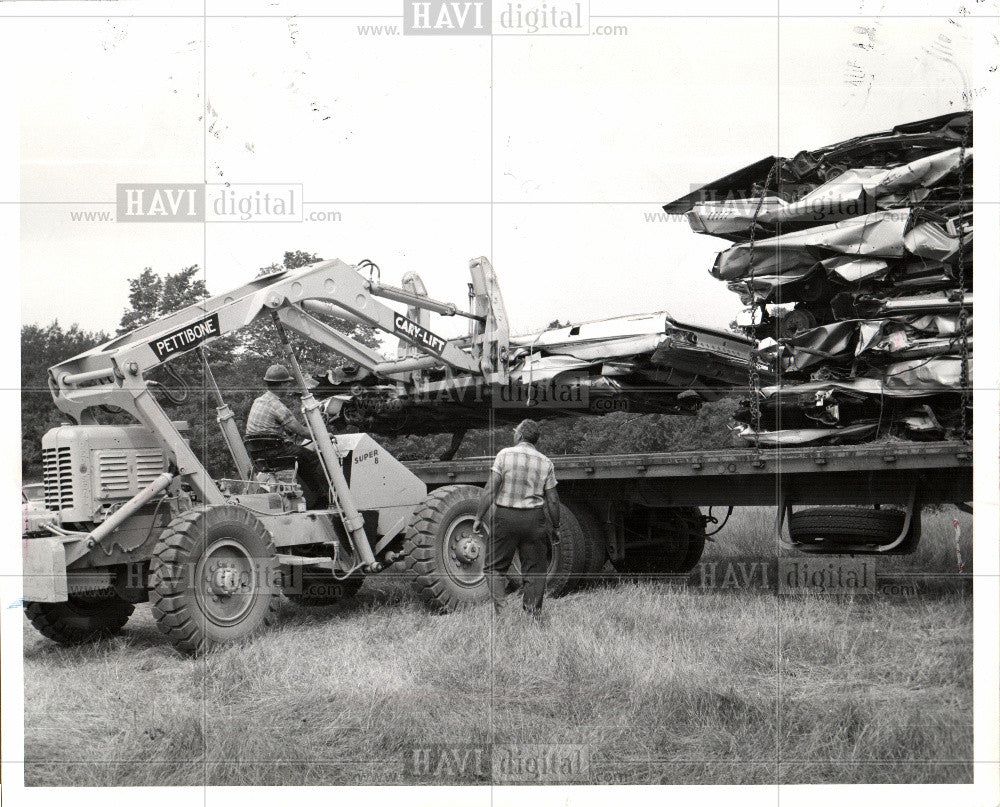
(113,374)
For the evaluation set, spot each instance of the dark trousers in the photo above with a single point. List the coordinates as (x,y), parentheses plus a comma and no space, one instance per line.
(314,485)
(310,473)
(525,532)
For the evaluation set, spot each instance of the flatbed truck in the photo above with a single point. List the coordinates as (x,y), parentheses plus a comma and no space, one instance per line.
(643,511)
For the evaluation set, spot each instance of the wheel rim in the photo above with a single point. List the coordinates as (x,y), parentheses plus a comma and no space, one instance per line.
(226,582)
(464,553)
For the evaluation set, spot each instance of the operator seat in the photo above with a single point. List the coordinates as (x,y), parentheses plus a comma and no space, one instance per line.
(265,453)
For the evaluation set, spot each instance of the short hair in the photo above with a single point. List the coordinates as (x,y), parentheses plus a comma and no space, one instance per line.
(529,430)
(275,384)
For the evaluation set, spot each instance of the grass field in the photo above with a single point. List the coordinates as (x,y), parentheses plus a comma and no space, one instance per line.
(662,685)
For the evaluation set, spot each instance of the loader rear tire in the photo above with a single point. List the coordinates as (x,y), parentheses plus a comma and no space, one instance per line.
(83,618)
(445,557)
(214,578)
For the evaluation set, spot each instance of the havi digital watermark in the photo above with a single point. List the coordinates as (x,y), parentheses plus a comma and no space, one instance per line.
(483,17)
(192,203)
(539,763)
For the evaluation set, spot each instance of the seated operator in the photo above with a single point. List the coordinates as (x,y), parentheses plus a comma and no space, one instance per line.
(270,417)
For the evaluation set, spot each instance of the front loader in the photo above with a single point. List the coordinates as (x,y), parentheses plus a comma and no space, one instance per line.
(131,514)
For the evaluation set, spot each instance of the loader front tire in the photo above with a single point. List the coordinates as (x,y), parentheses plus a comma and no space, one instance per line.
(83,618)
(445,557)
(214,578)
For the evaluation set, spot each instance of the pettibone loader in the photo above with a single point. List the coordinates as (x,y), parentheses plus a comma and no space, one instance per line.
(131,514)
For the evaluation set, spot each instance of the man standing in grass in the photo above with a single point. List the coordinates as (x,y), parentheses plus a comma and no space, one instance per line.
(522,485)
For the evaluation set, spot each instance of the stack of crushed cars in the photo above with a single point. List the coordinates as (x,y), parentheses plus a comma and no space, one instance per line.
(855,264)
(642,363)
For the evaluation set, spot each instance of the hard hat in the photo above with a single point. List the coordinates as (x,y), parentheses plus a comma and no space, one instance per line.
(277,374)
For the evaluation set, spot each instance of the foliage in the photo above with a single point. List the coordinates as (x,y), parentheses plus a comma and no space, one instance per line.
(261,346)
(616,433)
(41,347)
(151,296)
(620,432)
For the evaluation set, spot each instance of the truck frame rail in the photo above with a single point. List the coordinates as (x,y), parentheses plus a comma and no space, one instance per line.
(873,473)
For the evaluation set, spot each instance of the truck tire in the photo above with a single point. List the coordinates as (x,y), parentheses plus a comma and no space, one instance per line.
(679,540)
(596,542)
(83,618)
(320,588)
(845,526)
(214,578)
(445,557)
(696,525)
(568,561)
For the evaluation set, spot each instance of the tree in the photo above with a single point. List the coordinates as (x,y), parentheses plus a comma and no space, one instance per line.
(42,347)
(151,296)
(181,387)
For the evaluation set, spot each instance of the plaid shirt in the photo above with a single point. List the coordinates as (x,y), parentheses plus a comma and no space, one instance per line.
(525,473)
(269,416)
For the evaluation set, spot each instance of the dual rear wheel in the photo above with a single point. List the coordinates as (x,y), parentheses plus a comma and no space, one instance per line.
(666,540)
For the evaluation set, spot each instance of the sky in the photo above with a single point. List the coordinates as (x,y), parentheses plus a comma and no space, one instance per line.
(552,163)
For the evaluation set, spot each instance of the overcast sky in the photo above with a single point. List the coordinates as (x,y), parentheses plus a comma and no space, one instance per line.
(580,140)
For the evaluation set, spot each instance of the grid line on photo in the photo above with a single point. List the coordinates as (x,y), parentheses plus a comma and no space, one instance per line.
(203,660)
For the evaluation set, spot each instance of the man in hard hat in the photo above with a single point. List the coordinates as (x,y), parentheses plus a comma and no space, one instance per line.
(522,485)
(270,417)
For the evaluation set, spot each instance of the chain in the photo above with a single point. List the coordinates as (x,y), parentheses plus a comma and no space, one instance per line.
(753,381)
(963,313)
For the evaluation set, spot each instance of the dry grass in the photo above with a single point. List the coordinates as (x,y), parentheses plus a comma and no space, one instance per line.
(663,685)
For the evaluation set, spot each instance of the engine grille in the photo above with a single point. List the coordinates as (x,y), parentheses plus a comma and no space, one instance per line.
(122,474)
(149,464)
(114,480)
(57,478)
